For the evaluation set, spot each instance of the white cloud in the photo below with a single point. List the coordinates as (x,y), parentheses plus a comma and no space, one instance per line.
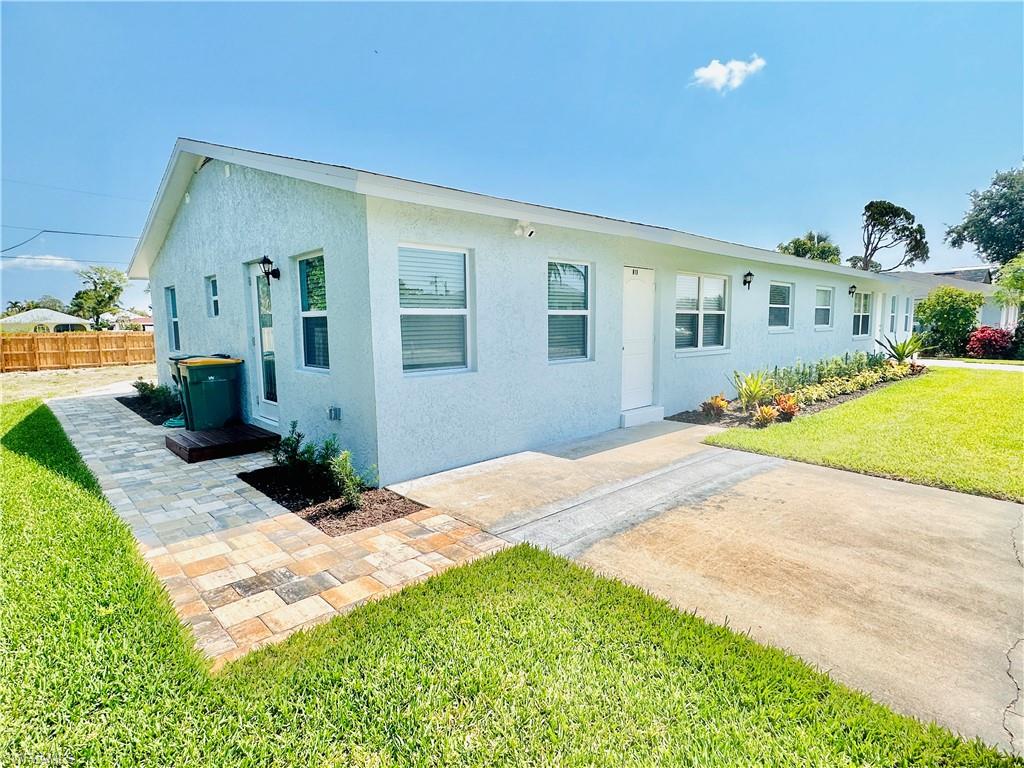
(728,76)
(28,261)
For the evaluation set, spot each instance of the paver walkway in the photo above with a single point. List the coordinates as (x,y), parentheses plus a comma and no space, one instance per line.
(241,570)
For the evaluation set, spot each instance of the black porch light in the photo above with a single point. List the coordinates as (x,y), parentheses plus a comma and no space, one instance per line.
(853,290)
(748,279)
(269,270)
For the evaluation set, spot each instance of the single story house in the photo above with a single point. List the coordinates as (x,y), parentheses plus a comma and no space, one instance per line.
(42,320)
(429,327)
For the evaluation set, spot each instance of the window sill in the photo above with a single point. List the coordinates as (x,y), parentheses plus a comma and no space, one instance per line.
(432,372)
(781,330)
(862,337)
(819,328)
(571,360)
(314,371)
(702,352)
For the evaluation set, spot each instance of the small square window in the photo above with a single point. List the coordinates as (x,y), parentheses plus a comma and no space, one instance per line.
(823,307)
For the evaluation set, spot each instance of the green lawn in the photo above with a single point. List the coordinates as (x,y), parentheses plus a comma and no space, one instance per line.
(977,360)
(956,428)
(519,659)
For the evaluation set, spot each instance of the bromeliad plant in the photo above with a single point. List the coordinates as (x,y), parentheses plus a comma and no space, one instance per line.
(903,351)
(715,406)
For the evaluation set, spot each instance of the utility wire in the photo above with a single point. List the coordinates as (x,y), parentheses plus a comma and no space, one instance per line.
(63,258)
(66,232)
(72,189)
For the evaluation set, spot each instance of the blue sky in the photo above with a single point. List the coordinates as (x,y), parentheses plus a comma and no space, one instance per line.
(590,107)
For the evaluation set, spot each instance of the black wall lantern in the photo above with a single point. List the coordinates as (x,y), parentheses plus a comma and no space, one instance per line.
(748,279)
(269,270)
(853,290)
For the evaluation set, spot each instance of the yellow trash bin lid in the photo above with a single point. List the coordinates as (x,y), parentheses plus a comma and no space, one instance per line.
(210,361)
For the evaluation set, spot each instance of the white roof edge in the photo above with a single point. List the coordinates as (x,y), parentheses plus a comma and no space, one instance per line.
(189,154)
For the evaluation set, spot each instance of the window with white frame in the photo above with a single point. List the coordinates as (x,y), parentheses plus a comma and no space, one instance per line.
(212,297)
(823,307)
(434,304)
(313,311)
(908,312)
(780,305)
(569,304)
(700,311)
(861,314)
(171,302)
(894,304)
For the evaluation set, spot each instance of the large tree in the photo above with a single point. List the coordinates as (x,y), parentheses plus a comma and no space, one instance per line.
(102,292)
(887,225)
(817,246)
(994,225)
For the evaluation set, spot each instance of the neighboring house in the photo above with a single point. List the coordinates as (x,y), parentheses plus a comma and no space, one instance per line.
(991,312)
(122,321)
(430,328)
(42,321)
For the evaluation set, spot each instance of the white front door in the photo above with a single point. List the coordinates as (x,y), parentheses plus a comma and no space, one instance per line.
(263,340)
(637,337)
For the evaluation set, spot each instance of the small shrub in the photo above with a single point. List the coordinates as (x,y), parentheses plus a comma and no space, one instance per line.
(752,389)
(787,406)
(159,396)
(288,452)
(715,406)
(347,479)
(1018,340)
(765,415)
(989,342)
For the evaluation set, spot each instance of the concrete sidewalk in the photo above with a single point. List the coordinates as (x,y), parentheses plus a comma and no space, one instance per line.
(973,366)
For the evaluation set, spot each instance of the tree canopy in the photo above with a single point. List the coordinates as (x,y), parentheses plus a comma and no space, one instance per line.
(1010,285)
(43,302)
(102,292)
(887,225)
(817,246)
(994,225)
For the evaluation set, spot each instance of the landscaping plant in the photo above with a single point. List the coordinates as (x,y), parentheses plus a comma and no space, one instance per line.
(159,396)
(902,351)
(715,406)
(347,479)
(989,342)
(320,464)
(787,406)
(765,415)
(752,389)
(949,315)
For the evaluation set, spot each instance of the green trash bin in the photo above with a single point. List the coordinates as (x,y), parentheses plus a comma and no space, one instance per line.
(209,391)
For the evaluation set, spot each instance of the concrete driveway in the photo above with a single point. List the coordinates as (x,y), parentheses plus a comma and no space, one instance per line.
(912,594)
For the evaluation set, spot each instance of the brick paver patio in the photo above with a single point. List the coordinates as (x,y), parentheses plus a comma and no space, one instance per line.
(242,570)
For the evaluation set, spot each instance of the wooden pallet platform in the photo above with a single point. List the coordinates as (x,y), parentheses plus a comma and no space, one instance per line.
(209,444)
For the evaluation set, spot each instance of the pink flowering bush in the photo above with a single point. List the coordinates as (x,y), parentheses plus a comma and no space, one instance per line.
(989,342)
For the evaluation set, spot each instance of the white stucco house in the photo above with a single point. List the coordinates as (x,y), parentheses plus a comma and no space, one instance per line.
(991,312)
(43,320)
(430,327)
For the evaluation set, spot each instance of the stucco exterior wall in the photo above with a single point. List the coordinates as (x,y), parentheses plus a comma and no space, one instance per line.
(232,218)
(512,398)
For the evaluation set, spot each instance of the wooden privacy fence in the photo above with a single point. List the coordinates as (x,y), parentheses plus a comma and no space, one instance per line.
(86,349)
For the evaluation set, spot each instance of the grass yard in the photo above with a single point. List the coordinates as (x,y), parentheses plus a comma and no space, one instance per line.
(518,659)
(977,360)
(955,428)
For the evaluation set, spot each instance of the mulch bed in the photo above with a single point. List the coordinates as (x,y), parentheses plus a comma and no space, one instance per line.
(319,507)
(734,417)
(147,410)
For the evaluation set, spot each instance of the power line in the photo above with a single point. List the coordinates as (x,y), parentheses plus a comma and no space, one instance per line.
(66,232)
(72,189)
(63,258)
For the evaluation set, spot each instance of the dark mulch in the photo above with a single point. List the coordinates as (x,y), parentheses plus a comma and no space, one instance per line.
(152,413)
(320,507)
(734,417)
